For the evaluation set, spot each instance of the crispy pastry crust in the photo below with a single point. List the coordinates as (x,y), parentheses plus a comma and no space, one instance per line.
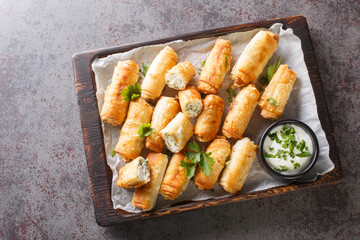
(279,89)
(238,167)
(114,109)
(220,149)
(154,81)
(190,96)
(209,120)
(254,58)
(130,144)
(146,195)
(240,112)
(184,70)
(128,175)
(165,110)
(175,180)
(216,66)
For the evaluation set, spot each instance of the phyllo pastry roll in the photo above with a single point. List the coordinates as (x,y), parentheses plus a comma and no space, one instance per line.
(154,80)
(220,149)
(146,195)
(240,112)
(254,58)
(190,102)
(209,120)
(277,93)
(180,75)
(238,167)
(165,110)
(130,143)
(216,66)
(134,174)
(177,132)
(175,180)
(115,107)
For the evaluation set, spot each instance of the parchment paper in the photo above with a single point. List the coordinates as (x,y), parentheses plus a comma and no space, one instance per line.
(301,105)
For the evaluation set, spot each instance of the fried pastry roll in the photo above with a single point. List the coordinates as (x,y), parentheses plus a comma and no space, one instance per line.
(238,167)
(165,110)
(130,144)
(115,108)
(240,112)
(190,102)
(146,195)
(254,58)
(134,174)
(175,180)
(154,80)
(177,133)
(180,75)
(220,149)
(216,66)
(278,91)
(209,120)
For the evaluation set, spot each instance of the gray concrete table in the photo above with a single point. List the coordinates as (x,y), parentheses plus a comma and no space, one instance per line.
(44,188)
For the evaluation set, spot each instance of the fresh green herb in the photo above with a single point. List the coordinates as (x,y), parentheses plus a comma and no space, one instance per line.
(306,148)
(131,93)
(272,101)
(113,152)
(304,154)
(301,145)
(144,68)
(296,165)
(211,190)
(272,69)
(145,130)
(228,158)
(274,119)
(278,153)
(271,149)
(230,100)
(226,60)
(283,169)
(197,156)
(231,92)
(268,155)
(264,80)
(284,156)
(273,136)
(203,63)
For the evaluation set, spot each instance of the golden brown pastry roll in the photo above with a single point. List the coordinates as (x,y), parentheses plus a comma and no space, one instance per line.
(175,180)
(130,144)
(146,195)
(220,149)
(240,112)
(177,133)
(209,120)
(114,109)
(154,80)
(216,66)
(180,75)
(165,110)
(276,94)
(134,174)
(190,102)
(254,58)
(238,167)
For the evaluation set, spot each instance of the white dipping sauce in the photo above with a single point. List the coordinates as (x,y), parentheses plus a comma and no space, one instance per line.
(279,155)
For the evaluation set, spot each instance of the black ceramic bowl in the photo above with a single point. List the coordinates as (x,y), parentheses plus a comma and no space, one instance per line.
(313,138)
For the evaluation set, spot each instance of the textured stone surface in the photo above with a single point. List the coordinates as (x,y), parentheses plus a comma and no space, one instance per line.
(44,187)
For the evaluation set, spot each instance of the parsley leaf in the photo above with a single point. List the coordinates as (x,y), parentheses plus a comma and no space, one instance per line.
(145,130)
(304,154)
(203,63)
(231,92)
(193,146)
(144,68)
(272,101)
(272,69)
(131,93)
(113,152)
(190,168)
(205,163)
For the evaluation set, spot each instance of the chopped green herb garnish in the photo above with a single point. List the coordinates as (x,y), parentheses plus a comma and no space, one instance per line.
(301,145)
(268,155)
(273,136)
(271,149)
(228,158)
(226,60)
(230,100)
(131,93)
(113,152)
(231,92)
(296,165)
(144,68)
(145,130)
(272,101)
(264,81)
(283,169)
(203,63)
(211,190)
(304,154)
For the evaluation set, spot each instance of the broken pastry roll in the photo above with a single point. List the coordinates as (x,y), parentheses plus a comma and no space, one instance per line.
(190,102)
(154,80)
(254,58)
(177,133)
(220,149)
(180,75)
(146,195)
(175,180)
(277,93)
(216,66)
(165,110)
(209,120)
(134,174)
(115,107)
(240,112)
(238,167)
(130,143)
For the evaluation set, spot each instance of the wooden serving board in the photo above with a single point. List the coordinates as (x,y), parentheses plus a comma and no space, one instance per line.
(99,172)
